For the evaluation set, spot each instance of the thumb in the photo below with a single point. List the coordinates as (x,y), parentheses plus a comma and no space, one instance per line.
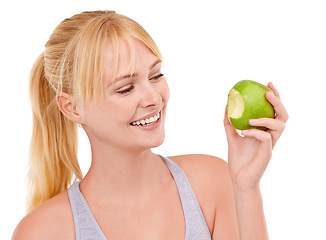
(231,132)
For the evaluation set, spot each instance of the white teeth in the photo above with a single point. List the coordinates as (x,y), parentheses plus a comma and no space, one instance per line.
(147,120)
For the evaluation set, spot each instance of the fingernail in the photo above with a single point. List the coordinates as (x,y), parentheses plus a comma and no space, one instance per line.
(270,94)
(244,131)
(253,120)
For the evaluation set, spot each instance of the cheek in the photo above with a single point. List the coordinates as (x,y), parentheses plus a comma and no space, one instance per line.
(107,121)
(100,115)
(95,116)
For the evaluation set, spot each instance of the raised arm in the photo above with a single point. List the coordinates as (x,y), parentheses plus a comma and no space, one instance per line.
(248,158)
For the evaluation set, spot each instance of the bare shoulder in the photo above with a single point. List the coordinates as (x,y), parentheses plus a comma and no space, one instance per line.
(201,159)
(52,220)
(202,168)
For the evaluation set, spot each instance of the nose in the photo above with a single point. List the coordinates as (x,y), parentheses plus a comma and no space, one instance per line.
(151,95)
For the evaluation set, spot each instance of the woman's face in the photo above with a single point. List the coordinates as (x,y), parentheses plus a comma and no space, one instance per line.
(133,112)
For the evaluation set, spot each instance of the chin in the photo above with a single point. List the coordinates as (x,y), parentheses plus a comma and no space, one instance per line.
(158,144)
(158,141)
(151,143)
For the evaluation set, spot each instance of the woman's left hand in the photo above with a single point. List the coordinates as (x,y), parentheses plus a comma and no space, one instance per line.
(249,155)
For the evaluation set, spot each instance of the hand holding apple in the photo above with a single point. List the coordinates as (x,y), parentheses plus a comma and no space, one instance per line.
(246,101)
(249,155)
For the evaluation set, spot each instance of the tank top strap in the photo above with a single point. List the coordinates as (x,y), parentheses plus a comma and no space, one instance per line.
(196,227)
(86,227)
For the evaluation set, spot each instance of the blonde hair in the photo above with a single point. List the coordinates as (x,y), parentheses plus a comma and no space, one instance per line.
(73,62)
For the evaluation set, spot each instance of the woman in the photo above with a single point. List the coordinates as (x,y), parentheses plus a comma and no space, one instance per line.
(102,70)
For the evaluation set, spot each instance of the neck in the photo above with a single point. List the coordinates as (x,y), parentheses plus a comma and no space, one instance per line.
(121,175)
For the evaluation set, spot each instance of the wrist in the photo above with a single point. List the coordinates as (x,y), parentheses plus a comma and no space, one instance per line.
(245,183)
(243,190)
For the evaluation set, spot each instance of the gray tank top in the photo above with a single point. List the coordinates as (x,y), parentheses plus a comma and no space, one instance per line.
(87,228)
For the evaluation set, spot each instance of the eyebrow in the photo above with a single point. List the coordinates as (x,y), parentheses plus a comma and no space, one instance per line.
(125,76)
(135,74)
(155,63)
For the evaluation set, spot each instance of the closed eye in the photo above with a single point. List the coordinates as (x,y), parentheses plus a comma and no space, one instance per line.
(124,91)
(157,76)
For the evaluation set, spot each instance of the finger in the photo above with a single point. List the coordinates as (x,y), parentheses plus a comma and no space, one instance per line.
(231,132)
(275,126)
(260,135)
(279,108)
(271,86)
(270,123)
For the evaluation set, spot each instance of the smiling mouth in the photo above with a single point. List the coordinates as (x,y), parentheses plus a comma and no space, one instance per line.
(147,121)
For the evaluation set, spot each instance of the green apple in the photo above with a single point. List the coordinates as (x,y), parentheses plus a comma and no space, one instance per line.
(247,100)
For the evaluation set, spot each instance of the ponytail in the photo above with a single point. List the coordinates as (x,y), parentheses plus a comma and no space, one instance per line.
(53,150)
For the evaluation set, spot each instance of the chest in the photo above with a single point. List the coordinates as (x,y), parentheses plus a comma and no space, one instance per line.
(172,212)
(160,219)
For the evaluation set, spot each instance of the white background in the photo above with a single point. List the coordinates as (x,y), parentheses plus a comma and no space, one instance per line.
(207,46)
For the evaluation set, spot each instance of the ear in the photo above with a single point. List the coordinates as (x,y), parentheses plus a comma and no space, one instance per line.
(68,107)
